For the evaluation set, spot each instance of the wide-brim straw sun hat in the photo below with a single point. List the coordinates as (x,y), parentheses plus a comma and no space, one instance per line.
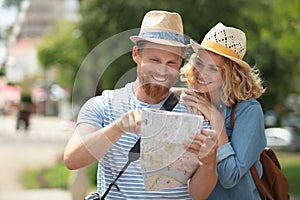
(161,27)
(226,41)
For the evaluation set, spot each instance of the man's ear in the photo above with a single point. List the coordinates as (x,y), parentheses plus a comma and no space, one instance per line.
(135,55)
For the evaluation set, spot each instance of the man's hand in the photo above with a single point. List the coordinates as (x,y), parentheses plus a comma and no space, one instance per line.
(130,122)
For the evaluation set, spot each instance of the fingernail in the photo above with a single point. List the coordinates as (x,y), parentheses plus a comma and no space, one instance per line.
(192,136)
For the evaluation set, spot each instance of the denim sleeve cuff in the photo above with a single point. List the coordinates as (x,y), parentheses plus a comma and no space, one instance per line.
(224,151)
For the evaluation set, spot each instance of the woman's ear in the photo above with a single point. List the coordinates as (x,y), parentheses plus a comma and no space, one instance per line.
(135,55)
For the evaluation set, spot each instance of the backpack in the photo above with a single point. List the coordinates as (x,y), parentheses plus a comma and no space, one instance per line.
(273,185)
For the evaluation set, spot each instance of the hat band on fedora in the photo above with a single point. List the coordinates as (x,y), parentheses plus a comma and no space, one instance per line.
(164,35)
(220,48)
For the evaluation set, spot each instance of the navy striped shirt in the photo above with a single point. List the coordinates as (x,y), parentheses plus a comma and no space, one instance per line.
(101,111)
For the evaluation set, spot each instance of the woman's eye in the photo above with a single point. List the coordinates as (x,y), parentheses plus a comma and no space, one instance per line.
(198,64)
(213,69)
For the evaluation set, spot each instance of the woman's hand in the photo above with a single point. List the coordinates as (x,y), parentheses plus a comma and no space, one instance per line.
(200,104)
(197,103)
(189,98)
(204,145)
(205,177)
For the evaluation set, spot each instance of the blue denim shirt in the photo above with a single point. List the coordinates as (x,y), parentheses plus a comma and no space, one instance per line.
(246,142)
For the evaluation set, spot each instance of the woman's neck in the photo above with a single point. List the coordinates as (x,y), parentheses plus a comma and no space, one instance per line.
(216,99)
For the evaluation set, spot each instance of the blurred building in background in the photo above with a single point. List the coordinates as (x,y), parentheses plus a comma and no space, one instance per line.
(33,20)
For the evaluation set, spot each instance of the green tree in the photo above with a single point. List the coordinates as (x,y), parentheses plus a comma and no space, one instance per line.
(101,20)
(12,3)
(272,31)
(62,50)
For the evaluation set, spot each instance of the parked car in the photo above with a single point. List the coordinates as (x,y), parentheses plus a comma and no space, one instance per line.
(283,138)
(292,120)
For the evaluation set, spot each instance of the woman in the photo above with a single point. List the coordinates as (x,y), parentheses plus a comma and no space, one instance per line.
(220,79)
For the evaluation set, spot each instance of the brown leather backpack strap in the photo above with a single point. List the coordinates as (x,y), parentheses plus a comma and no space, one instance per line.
(253,171)
(258,182)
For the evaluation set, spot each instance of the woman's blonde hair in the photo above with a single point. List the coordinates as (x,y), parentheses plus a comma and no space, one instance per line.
(239,83)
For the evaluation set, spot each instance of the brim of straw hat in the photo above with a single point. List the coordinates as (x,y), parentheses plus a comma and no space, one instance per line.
(135,39)
(196,46)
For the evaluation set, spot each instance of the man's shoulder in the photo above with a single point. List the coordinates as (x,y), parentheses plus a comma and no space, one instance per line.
(117,98)
(117,91)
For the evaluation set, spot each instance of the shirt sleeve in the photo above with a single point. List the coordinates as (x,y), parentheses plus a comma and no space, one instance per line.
(246,143)
(92,112)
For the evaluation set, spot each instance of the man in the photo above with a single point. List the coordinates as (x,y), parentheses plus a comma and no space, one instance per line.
(108,125)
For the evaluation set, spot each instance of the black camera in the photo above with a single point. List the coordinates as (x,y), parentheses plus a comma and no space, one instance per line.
(93,196)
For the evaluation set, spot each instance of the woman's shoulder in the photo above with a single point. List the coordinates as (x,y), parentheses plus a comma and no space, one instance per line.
(250,106)
(249,103)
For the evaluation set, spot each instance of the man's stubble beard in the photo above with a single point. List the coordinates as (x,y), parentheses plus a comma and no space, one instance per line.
(155,91)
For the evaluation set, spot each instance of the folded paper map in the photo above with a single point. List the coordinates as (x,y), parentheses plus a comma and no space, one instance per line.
(165,163)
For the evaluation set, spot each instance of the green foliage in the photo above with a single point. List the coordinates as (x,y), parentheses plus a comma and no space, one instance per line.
(25,97)
(54,177)
(57,176)
(29,179)
(62,49)
(290,164)
(2,71)
(10,3)
(270,46)
(272,30)
(92,174)
(271,35)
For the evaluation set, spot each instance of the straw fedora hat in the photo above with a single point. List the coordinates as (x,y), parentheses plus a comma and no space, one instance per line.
(225,41)
(161,27)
